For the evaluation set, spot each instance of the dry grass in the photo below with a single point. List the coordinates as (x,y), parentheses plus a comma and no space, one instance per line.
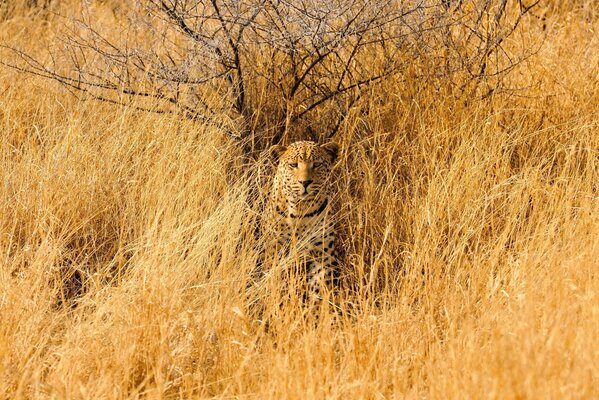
(472,229)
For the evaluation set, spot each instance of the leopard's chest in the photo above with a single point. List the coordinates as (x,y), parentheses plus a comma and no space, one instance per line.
(306,235)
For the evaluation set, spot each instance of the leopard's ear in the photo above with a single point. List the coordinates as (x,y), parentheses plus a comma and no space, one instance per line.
(276,151)
(332,150)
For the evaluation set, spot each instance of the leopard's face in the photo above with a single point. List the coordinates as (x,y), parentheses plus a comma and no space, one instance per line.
(304,169)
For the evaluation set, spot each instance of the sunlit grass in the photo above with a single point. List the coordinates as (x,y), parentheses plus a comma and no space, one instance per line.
(471,232)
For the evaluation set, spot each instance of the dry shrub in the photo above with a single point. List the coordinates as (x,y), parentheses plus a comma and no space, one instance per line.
(470,230)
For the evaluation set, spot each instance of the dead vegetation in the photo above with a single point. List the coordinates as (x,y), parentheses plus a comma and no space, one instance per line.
(469,205)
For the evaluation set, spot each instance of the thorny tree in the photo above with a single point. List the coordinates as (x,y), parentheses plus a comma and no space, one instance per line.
(272,65)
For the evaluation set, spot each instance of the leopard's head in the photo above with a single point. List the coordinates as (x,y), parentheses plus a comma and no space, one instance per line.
(304,168)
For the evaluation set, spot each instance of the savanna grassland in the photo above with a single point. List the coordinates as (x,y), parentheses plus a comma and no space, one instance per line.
(470,229)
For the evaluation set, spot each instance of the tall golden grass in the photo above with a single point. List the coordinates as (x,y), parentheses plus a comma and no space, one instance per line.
(472,231)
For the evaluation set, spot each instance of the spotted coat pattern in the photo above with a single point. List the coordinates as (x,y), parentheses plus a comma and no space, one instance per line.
(299,220)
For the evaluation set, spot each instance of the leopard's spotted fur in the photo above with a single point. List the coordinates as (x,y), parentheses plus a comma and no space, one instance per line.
(298,221)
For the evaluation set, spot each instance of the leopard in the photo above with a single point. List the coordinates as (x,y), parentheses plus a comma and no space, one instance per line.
(299,221)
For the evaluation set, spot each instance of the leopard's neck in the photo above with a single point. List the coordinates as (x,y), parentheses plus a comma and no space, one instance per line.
(292,209)
(301,211)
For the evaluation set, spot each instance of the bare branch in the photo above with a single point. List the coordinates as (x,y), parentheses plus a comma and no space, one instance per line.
(271,63)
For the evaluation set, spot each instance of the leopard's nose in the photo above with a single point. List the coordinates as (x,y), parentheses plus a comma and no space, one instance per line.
(306,183)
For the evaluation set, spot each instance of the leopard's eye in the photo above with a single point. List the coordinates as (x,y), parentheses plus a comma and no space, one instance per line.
(293,165)
(317,164)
